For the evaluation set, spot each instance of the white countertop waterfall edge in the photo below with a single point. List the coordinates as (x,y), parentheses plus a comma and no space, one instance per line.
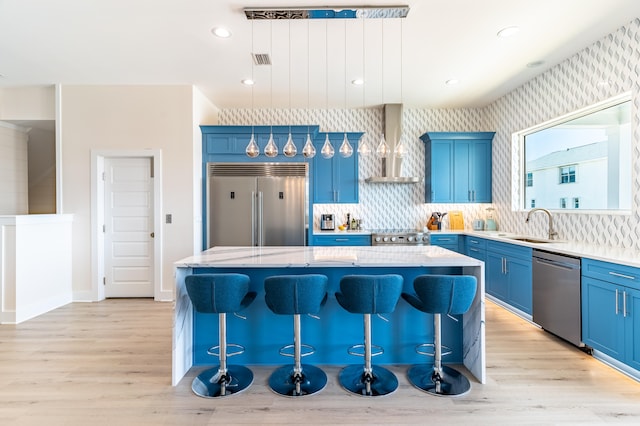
(364,256)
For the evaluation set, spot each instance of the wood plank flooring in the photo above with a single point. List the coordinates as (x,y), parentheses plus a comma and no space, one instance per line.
(109,363)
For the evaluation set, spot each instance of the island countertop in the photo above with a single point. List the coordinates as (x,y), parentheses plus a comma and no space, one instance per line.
(363,256)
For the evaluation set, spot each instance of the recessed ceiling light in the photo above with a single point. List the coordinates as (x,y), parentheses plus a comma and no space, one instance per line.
(534,64)
(248,82)
(508,31)
(452,81)
(357,82)
(221,32)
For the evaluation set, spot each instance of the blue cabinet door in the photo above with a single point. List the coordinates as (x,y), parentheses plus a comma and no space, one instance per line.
(462,172)
(602,324)
(476,248)
(520,279)
(448,241)
(480,171)
(323,179)
(341,240)
(497,284)
(632,327)
(439,184)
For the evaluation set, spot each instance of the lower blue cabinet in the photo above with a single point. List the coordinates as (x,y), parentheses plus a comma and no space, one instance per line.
(448,241)
(509,274)
(611,310)
(341,240)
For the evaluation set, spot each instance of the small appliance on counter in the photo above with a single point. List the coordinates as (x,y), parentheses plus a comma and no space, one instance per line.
(478,225)
(327,222)
(490,224)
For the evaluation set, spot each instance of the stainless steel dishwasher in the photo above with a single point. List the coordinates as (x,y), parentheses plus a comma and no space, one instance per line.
(556,295)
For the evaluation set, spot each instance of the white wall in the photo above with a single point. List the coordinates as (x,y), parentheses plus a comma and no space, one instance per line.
(121,118)
(28,103)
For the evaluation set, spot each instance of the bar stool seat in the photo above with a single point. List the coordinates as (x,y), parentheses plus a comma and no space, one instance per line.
(437,295)
(221,294)
(368,294)
(296,295)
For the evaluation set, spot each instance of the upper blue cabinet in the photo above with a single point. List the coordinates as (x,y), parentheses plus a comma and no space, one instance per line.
(457,167)
(335,180)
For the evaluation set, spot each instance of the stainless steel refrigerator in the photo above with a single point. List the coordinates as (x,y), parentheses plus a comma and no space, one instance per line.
(257,204)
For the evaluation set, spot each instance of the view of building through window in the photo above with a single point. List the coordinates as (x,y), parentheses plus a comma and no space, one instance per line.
(582,162)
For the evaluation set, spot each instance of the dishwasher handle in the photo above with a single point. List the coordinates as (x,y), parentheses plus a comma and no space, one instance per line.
(564,265)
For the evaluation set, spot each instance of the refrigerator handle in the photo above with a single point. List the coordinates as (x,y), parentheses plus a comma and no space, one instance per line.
(253,218)
(260,211)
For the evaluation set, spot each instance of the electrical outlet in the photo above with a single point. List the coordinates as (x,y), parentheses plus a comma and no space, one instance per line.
(168,218)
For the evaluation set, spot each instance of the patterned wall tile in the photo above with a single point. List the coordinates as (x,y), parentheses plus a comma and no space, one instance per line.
(567,87)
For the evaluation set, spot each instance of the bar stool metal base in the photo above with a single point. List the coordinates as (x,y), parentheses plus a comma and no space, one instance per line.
(452,382)
(283,381)
(353,379)
(211,384)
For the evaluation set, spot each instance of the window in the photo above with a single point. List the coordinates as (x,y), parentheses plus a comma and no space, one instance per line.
(568,174)
(533,203)
(529,179)
(590,149)
(563,203)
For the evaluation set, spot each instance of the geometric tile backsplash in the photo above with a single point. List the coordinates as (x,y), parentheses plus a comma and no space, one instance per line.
(569,86)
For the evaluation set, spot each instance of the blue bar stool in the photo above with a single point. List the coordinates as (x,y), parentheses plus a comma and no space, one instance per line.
(368,294)
(437,295)
(221,294)
(296,295)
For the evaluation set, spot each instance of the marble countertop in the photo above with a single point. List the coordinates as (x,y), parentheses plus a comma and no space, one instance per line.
(622,256)
(378,256)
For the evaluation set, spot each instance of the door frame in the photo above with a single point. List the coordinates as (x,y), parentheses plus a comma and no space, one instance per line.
(97,217)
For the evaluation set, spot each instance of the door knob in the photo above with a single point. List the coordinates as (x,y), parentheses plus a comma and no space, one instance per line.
(153,234)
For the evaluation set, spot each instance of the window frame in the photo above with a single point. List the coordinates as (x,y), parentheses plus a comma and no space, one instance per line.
(518,166)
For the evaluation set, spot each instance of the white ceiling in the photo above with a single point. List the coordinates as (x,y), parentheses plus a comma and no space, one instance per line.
(169,42)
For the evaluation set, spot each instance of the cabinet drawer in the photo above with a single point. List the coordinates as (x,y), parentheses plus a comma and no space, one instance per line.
(611,272)
(478,243)
(439,240)
(341,240)
(510,250)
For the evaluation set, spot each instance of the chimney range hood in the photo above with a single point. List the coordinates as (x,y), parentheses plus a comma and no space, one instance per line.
(392,166)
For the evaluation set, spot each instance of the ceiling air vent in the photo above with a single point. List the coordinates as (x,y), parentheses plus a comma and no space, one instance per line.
(261,58)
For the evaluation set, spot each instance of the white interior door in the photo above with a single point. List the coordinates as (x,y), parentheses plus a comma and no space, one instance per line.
(128,227)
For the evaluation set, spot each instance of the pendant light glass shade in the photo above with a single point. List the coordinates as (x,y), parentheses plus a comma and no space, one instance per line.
(290,149)
(346,150)
(400,150)
(383,148)
(271,150)
(327,150)
(363,147)
(252,150)
(308,151)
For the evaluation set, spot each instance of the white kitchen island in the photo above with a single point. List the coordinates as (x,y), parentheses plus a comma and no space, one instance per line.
(262,333)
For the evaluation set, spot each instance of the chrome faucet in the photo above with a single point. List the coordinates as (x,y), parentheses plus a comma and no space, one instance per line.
(552,231)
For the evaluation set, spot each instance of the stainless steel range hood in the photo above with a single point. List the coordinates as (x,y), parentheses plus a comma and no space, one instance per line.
(392,166)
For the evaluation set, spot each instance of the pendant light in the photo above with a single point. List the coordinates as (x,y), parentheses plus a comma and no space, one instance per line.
(400,150)
(383,149)
(290,149)
(252,150)
(346,150)
(327,150)
(363,146)
(308,150)
(271,150)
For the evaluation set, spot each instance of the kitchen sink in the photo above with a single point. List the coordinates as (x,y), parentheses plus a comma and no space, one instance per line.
(531,240)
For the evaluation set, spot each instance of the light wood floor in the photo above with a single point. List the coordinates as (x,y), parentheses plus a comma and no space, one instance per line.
(109,363)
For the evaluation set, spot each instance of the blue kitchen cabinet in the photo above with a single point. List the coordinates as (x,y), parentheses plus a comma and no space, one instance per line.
(448,241)
(341,240)
(458,167)
(475,247)
(335,180)
(509,274)
(611,310)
